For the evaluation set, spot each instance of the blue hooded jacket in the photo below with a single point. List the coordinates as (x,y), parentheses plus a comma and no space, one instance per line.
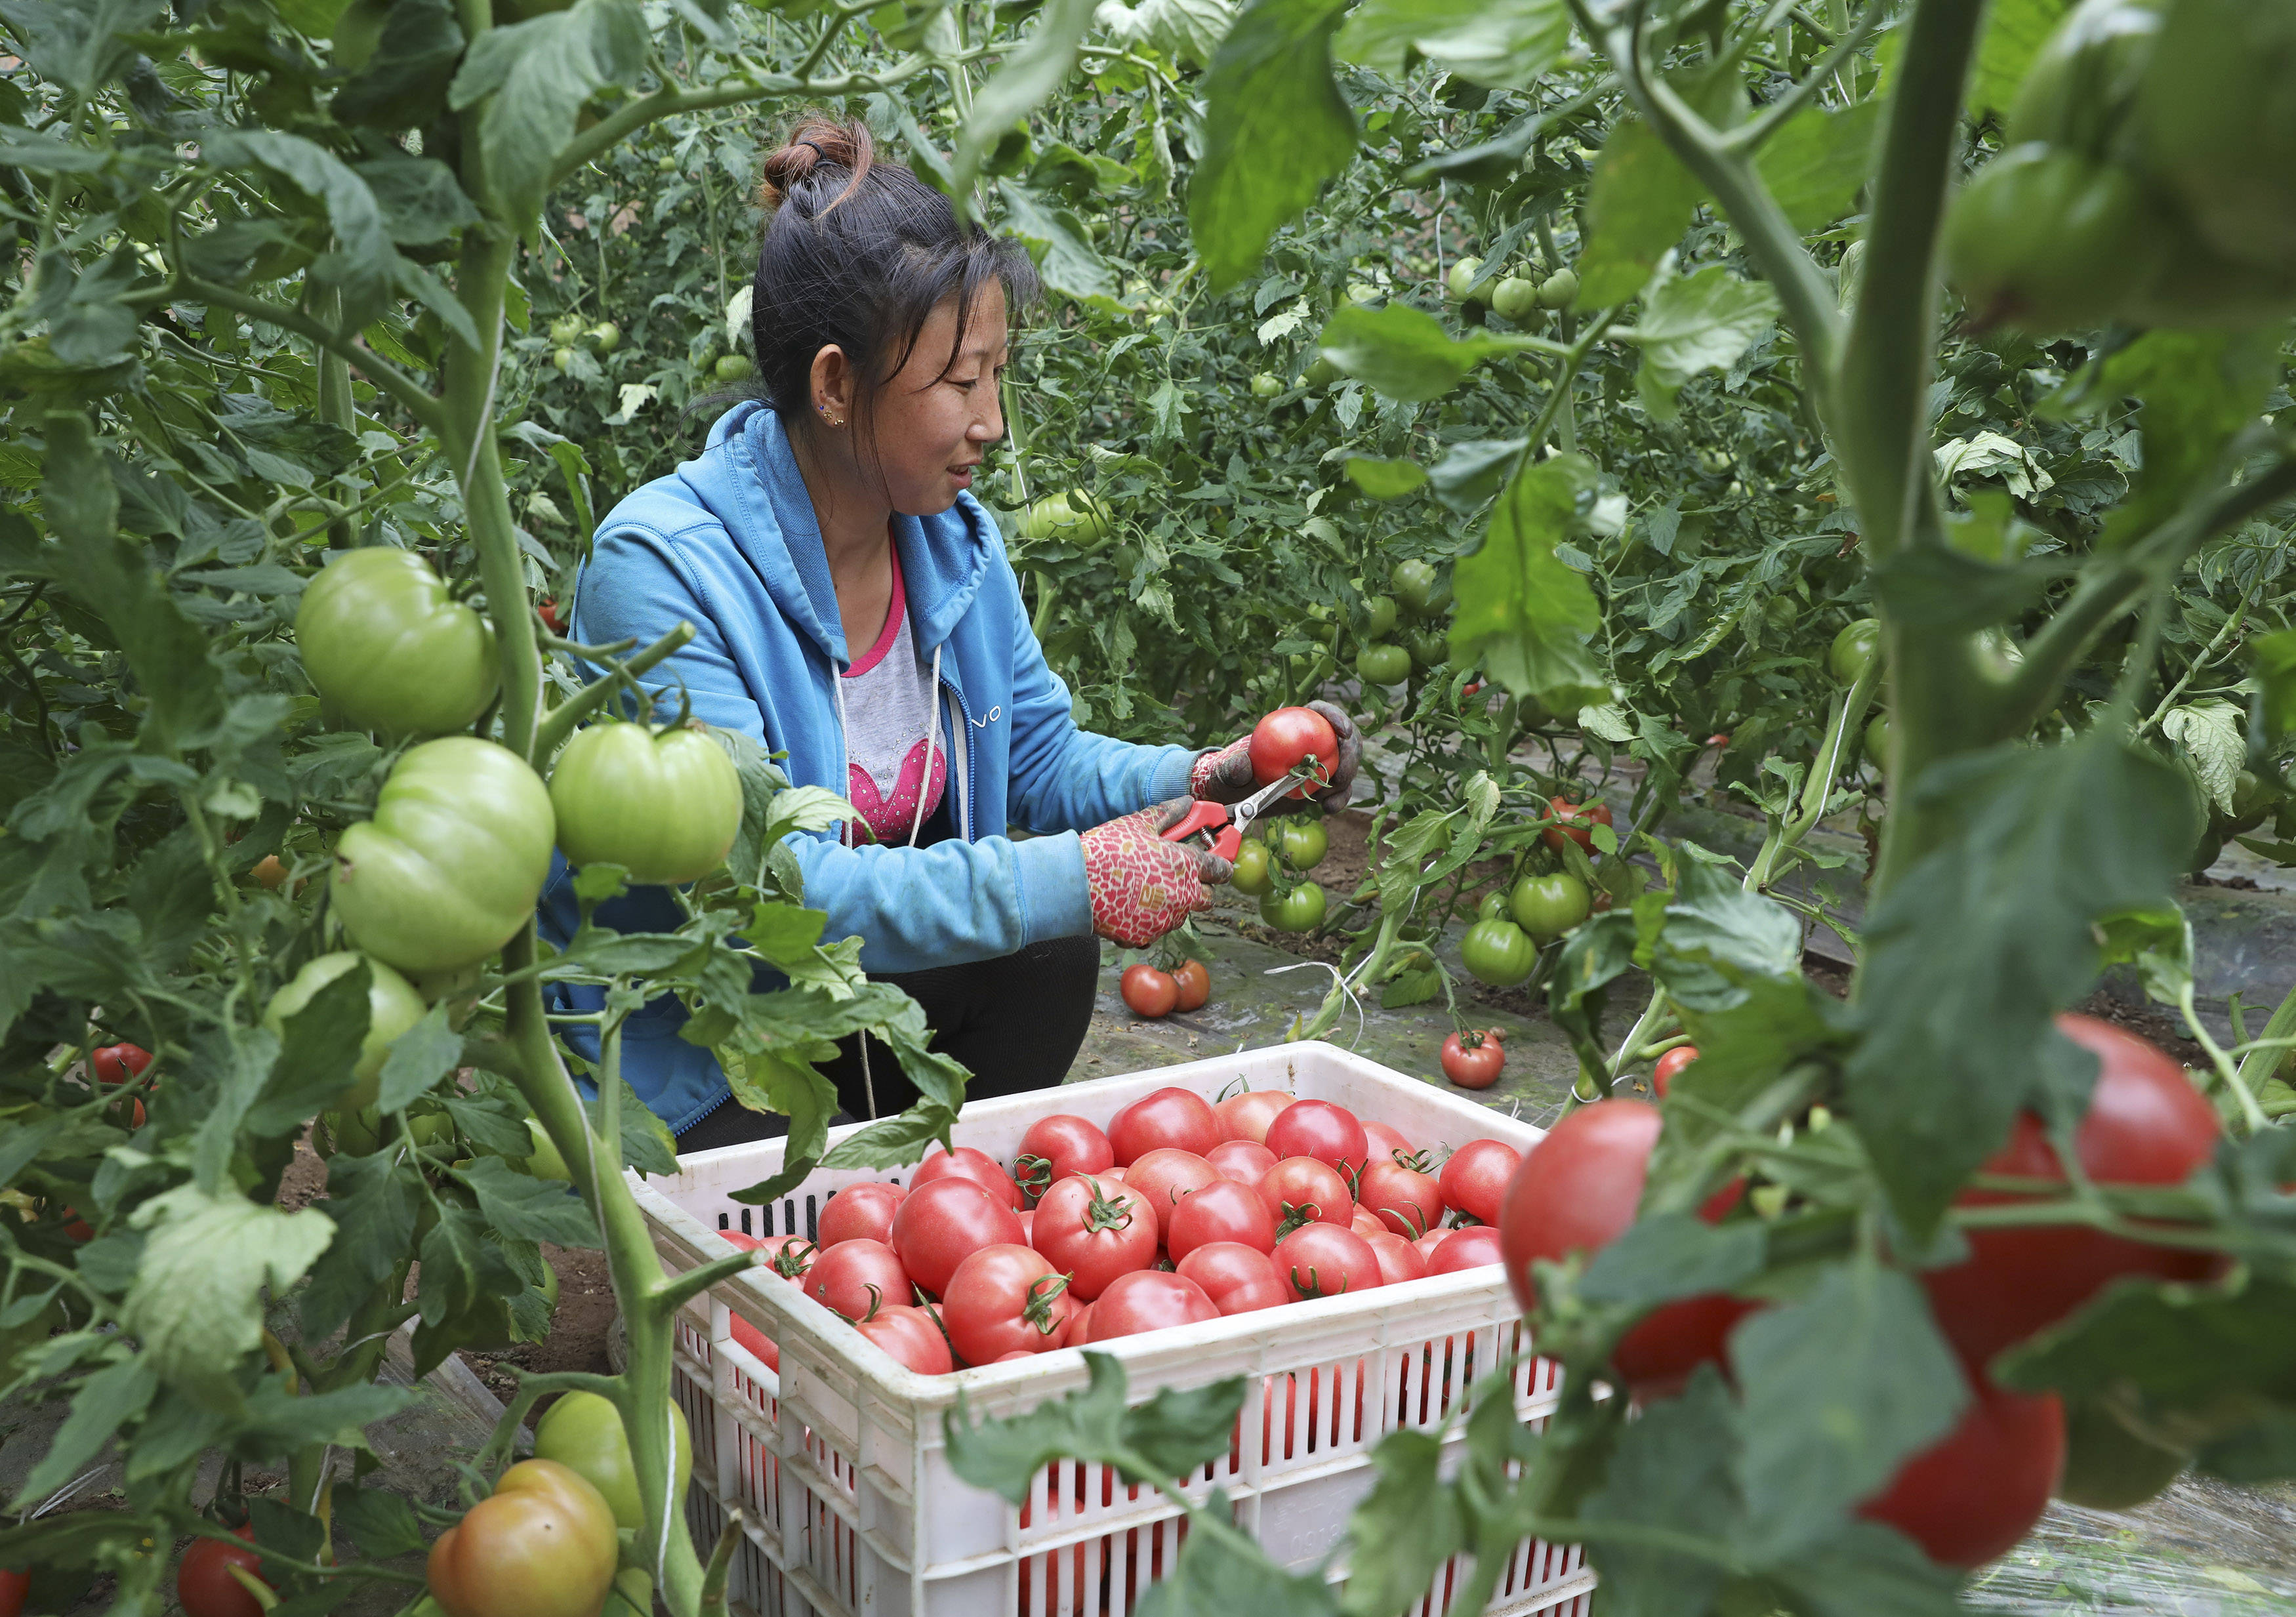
(729,542)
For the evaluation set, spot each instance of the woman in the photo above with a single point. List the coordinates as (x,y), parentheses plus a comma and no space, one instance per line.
(855,610)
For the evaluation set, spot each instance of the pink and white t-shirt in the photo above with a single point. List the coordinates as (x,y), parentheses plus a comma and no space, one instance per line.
(889,707)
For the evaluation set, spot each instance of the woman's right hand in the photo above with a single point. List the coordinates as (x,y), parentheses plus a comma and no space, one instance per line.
(1142,886)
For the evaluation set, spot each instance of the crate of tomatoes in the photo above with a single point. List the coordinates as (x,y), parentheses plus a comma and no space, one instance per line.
(1299,1217)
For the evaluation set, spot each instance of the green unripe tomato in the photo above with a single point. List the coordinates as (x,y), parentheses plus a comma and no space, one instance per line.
(360,1133)
(1364,292)
(666,807)
(1493,906)
(1413,583)
(1300,910)
(1300,841)
(1379,617)
(566,330)
(1877,742)
(1461,282)
(2216,124)
(1379,663)
(1252,877)
(1429,648)
(1558,289)
(733,367)
(1498,952)
(392,1007)
(2044,239)
(2108,1464)
(388,647)
(2083,82)
(1321,373)
(1549,905)
(452,862)
(1265,384)
(545,1161)
(606,336)
(1517,300)
(583,1432)
(665,164)
(1854,649)
(564,360)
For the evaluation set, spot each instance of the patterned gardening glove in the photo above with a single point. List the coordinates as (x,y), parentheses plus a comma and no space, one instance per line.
(1142,886)
(1224,775)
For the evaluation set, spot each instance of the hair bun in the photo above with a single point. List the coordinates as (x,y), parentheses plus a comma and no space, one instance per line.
(816,143)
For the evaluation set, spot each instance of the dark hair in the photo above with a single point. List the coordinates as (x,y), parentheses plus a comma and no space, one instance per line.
(859,252)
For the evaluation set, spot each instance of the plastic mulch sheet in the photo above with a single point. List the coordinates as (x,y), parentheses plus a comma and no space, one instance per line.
(2202,1550)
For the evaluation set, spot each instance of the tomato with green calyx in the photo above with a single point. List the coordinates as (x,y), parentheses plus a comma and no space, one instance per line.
(1379,663)
(2044,239)
(1854,649)
(1575,821)
(1253,876)
(665,806)
(733,367)
(1471,1066)
(1074,516)
(1498,952)
(1461,282)
(1194,979)
(1148,992)
(566,330)
(583,1432)
(542,1545)
(389,649)
(1429,648)
(606,336)
(1299,842)
(1265,384)
(1291,739)
(2109,1463)
(392,1007)
(1493,906)
(1321,373)
(2215,126)
(1558,289)
(1300,910)
(545,1161)
(2082,85)
(204,1584)
(1517,300)
(1549,905)
(452,862)
(1378,617)
(1413,583)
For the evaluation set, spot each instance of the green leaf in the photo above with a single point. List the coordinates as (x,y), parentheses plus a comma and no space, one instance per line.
(362,259)
(420,199)
(2015,32)
(518,1205)
(1865,1570)
(1665,1256)
(373,1203)
(2211,737)
(1598,952)
(1719,937)
(1038,67)
(1060,243)
(1696,322)
(1838,1388)
(1929,586)
(195,1335)
(1815,165)
(404,84)
(1221,1571)
(379,1520)
(419,1058)
(1403,351)
(1672,1469)
(2199,389)
(538,74)
(1638,209)
(1188,31)
(119,1392)
(1405,1528)
(1974,949)
(80,45)
(1276,129)
(1501,44)
(1523,614)
(1385,479)
(1163,1440)
(766,1082)
(1469,474)
(2273,657)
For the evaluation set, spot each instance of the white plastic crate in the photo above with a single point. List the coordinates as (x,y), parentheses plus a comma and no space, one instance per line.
(838,1465)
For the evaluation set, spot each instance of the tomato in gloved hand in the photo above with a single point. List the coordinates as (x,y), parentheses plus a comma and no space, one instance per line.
(583,1432)
(542,1545)
(664,806)
(1291,738)
(203,1580)
(389,649)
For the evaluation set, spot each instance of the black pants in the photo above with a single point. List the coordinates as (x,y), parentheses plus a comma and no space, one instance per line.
(1015,1022)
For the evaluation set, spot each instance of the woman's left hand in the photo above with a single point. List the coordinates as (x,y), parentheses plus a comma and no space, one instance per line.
(1224,775)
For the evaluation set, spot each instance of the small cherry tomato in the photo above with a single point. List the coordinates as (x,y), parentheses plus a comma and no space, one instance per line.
(1475,1067)
(1149,992)
(1673,1062)
(116,1064)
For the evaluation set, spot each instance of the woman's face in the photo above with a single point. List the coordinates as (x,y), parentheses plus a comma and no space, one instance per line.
(935,417)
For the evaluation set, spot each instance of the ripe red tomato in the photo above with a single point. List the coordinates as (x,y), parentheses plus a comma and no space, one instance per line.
(1148,991)
(2147,1125)
(1057,1146)
(1247,1162)
(910,1335)
(1576,819)
(1576,1191)
(1149,1300)
(1475,1179)
(1399,1259)
(1005,1300)
(13,1587)
(116,1064)
(203,1579)
(1317,1129)
(1302,1185)
(1388,1146)
(784,1257)
(966,1163)
(1195,984)
(542,1545)
(1474,1247)
(1174,1119)
(856,1278)
(1365,1222)
(1472,1068)
(1288,738)
(1323,1261)
(1246,1116)
(1165,1176)
(1221,1211)
(1979,1490)
(1239,1279)
(1426,1245)
(1673,1062)
(763,1348)
(944,1223)
(861,1212)
(1407,1201)
(1093,1229)
(1079,1330)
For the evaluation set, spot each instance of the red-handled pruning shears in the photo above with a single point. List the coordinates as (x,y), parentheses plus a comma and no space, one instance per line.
(1237,817)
